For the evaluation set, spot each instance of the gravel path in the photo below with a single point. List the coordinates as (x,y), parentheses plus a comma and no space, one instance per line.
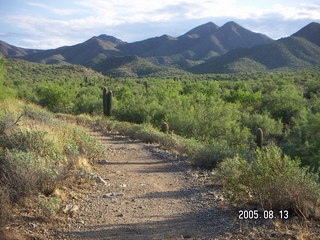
(148,193)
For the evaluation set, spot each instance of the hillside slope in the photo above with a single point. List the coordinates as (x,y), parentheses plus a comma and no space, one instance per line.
(295,52)
(10,51)
(131,67)
(82,53)
(29,72)
(311,32)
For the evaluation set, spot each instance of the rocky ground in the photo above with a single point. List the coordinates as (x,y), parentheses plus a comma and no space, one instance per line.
(144,192)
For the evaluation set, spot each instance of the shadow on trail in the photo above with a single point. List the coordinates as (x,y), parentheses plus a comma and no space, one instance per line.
(116,140)
(202,224)
(186,193)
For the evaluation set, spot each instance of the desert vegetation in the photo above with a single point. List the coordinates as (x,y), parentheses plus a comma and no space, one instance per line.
(212,118)
(38,155)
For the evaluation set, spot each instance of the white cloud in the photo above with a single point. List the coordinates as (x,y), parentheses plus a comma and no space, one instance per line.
(58,11)
(140,10)
(294,13)
(41,44)
(100,15)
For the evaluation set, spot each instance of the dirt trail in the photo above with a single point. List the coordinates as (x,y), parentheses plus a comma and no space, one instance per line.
(149,194)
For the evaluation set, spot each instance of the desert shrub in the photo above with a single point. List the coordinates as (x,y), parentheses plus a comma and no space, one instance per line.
(54,96)
(34,141)
(49,205)
(135,112)
(270,126)
(210,154)
(19,179)
(208,119)
(36,174)
(88,100)
(303,141)
(38,153)
(6,122)
(272,181)
(37,114)
(84,119)
(5,92)
(5,206)
(285,104)
(244,97)
(65,117)
(81,142)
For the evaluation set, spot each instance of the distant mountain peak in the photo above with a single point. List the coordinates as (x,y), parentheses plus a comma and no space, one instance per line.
(167,37)
(109,38)
(311,32)
(231,25)
(312,25)
(210,24)
(203,29)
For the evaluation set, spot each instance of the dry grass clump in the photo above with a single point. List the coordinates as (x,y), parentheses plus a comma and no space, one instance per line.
(143,132)
(38,153)
(206,155)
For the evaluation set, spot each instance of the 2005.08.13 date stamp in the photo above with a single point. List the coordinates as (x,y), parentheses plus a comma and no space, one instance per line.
(266,214)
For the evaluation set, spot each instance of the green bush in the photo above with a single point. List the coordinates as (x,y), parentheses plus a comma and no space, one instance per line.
(210,154)
(54,96)
(34,141)
(49,205)
(272,181)
(303,141)
(271,127)
(88,100)
(245,97)
(82,143)
(285,104)
(38,154)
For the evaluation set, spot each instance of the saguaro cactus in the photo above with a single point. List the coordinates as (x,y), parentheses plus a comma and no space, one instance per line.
(165,127)
(105,101)
(146,85)
(259,136)
(109,103)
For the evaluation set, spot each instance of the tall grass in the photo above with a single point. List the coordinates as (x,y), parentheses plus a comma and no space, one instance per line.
(39,152)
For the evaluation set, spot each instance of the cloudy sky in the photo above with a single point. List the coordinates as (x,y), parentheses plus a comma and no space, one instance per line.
(47,24)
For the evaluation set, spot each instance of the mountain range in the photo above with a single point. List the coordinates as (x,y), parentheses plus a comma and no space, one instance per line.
(204,49)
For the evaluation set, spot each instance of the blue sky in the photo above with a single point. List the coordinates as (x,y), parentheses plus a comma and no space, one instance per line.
(45,24)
